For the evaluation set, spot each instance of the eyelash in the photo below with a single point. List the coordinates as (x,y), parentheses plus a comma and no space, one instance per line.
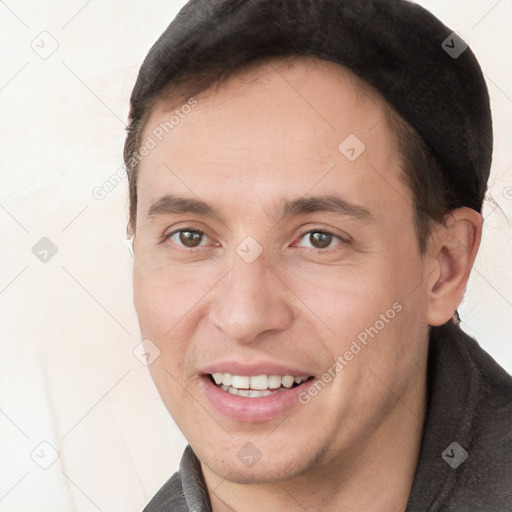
(324,232)
(300,236)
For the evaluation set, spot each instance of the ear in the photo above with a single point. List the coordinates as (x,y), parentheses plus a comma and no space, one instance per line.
(452,251)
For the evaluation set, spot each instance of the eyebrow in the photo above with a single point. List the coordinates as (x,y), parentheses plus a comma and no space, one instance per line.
(172,204)
(329,203)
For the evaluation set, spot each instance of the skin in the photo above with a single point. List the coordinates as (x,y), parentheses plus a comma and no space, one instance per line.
(269,134)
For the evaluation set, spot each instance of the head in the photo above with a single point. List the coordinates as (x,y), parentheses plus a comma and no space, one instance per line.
(324,227)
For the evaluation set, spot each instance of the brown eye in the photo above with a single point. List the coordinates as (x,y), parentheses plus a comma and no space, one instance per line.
(190,238)
(186,238)
(320,239)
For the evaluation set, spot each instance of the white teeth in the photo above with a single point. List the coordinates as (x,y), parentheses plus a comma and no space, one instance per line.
(240,382)
(254,393)
(288,381)
(260,384)
(274,381)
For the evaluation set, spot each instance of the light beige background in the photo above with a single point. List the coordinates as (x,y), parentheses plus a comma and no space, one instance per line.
(68,375)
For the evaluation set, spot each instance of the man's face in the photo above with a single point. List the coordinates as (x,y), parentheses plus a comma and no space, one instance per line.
(213,303)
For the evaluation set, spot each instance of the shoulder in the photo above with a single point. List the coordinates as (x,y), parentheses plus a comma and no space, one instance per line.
(489,394)
(490,451)
(169,497)
(484,411)
(184,491)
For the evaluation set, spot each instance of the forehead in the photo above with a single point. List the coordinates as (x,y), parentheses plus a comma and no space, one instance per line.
(281,128)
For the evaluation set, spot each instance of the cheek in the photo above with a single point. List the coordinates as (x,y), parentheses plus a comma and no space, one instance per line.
(162,305)
(165,318)
(352,296)
(373,311)
(169,314)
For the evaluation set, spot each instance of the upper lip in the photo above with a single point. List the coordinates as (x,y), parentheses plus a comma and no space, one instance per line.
(254,369)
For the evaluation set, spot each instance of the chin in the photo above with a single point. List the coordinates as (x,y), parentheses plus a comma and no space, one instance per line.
(275,463)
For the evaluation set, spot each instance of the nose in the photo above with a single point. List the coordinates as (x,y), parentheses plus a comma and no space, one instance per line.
(251,300)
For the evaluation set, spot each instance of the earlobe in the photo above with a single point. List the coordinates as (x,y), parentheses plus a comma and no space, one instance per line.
(455,245)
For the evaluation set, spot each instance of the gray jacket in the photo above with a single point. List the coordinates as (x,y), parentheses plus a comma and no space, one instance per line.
(465,462)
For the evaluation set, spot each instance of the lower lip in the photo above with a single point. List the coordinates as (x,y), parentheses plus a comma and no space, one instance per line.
(252,409)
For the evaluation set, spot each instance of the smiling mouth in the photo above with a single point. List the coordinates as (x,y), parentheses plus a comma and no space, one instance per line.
(256,386)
